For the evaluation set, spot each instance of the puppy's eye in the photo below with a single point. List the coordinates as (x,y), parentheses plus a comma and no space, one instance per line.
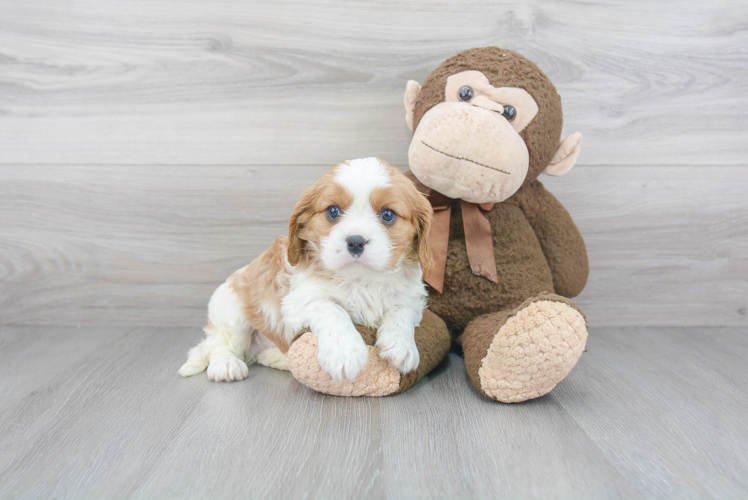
(333,212)
(388,216)
(509,113)
(466,93)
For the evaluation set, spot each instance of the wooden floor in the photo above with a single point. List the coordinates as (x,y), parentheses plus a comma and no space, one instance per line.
(647,413)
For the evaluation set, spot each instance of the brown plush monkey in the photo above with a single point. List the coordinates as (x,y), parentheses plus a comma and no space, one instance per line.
(487,123)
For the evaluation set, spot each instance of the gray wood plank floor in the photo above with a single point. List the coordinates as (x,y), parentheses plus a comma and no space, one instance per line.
(101,413)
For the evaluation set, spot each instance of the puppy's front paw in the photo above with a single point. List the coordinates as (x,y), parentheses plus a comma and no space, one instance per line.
(342,355)
(226,367)
(398,349)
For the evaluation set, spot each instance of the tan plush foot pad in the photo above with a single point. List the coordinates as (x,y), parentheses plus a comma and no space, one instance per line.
(533,351)
(379,378)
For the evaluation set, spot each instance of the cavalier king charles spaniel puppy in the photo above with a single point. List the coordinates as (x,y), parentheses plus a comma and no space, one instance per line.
(357,243)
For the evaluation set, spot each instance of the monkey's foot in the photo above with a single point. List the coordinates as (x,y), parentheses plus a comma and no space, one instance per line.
(533,349)
(379,377)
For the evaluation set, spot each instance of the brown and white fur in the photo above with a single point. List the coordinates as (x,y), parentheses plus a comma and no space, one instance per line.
(314,280)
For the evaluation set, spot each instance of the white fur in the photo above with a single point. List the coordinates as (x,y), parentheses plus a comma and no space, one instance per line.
(273,358)
(392,302)
(361,292)
(226,350)
(360,177)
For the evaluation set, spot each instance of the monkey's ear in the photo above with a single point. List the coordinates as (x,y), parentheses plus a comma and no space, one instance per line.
(412,91)
(566,155)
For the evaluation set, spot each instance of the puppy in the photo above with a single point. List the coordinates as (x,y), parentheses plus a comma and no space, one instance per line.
(357,243)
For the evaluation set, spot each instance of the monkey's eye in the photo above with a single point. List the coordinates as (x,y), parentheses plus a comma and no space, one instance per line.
(388,216)
(509,113)
(466,93)
(333,212)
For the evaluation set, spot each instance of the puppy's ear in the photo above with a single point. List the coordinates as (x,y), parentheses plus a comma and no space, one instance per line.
(424,214)
(299,218)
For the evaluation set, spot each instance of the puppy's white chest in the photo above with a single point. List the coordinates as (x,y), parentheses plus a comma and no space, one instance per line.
(366,302)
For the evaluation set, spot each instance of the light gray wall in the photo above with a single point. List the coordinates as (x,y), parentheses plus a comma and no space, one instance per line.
(147,149)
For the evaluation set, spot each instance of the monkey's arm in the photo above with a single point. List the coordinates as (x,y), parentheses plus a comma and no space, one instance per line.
(559,237)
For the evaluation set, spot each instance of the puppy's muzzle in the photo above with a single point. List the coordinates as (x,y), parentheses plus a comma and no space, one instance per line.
(356,245)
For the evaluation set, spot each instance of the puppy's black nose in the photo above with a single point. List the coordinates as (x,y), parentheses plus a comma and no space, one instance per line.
(356,244)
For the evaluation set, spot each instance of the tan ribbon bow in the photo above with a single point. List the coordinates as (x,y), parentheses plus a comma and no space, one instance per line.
(478,239)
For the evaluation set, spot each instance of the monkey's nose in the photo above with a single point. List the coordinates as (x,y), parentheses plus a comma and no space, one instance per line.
(356,245)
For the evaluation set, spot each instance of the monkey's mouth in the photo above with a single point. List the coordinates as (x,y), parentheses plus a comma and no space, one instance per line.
(465,159)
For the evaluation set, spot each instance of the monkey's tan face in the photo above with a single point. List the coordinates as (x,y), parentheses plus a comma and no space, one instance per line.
(469,146)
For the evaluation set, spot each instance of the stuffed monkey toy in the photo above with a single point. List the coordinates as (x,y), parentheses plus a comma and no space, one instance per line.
(486,124)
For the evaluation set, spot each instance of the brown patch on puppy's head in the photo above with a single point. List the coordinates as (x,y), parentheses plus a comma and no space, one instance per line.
(409,234)
(309,223)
